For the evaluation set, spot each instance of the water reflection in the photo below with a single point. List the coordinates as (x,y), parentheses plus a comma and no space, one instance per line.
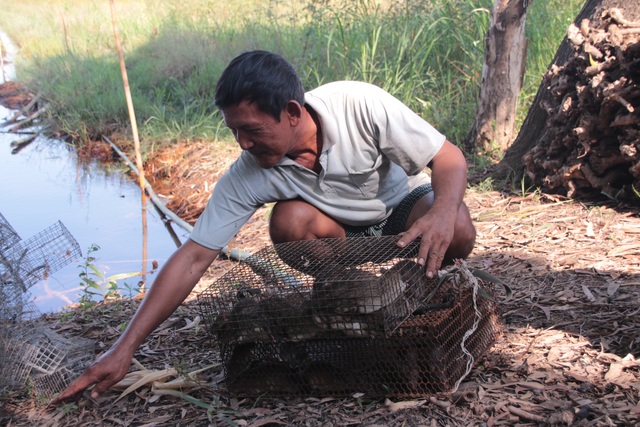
(45,183)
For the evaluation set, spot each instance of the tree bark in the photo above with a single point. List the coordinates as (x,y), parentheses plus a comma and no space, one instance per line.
(502,72)
(534,129)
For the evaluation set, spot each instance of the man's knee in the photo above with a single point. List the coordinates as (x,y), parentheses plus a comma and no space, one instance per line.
(293,220)
(284,224)
(464,238)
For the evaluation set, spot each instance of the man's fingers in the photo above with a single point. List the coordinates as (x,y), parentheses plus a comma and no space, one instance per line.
(434,262)
(407,237)
(433,246)
(101,387)
(73,392)
(432,255)
(76,388)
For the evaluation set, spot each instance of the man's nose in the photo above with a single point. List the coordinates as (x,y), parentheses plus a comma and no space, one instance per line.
(244,141)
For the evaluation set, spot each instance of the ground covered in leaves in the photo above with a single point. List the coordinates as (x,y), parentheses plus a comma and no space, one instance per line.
(568,355)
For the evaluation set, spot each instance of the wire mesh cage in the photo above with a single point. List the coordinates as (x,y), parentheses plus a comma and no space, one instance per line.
(13,371)
(8,236)
(78,356)
(47,385)
(337,316)
(12,300)
(26,262)
(51,349)
(44,356)
(27,349)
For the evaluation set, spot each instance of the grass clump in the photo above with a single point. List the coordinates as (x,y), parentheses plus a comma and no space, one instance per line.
(428,54)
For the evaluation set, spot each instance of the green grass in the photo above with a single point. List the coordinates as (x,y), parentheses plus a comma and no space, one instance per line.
(427,53)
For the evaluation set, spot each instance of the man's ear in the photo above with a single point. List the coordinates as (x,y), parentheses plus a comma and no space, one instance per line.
(293,111)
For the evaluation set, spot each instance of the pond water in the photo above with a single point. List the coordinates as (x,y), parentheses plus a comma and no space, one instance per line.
(45,183)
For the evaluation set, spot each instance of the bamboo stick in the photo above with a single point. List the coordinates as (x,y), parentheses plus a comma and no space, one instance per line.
(136,140)
(4,76)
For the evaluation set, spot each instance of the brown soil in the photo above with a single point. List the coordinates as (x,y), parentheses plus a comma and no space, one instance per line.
(568,355)
(14,95)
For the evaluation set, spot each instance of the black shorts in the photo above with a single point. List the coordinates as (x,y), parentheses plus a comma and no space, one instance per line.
(394,223)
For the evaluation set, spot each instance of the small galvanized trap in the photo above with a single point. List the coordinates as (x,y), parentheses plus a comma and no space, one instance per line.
(332,317)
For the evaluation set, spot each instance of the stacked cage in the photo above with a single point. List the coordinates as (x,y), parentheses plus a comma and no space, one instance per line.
(336,316)
(29,351)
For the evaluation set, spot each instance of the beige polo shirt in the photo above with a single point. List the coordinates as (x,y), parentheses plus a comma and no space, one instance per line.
(373,154)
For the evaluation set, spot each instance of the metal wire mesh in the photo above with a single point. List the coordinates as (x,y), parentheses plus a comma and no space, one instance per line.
(336,316)
(26,262)
(29,351)
(48,385)
(79,354)
(51,349)
(40,354)
(8,236)
(12,301)
(14,372)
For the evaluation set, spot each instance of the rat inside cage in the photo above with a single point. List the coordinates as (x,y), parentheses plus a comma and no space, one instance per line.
(337,316)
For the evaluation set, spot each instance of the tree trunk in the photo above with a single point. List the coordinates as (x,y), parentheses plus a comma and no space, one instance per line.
(505,54)
(585,114)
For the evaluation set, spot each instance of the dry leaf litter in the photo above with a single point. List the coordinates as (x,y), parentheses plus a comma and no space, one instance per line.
(568,355)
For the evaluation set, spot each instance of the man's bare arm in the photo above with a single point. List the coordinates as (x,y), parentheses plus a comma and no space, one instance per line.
(441,221)
(175,281)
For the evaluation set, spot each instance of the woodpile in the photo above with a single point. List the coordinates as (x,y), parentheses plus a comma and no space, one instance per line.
(591,142)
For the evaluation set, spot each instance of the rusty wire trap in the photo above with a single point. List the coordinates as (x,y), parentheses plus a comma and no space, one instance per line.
(337,316)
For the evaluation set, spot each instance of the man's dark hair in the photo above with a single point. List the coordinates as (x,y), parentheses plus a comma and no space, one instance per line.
(261,77)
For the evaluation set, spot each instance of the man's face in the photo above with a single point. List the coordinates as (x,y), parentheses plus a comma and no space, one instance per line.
(259,133)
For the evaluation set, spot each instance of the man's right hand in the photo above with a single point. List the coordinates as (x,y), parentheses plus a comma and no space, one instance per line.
(174,283)
(107,370)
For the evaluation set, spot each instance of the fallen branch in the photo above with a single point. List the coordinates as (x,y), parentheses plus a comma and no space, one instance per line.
(147,187)
(526,415)
(29,119)
(23,111)
(148,377)
(20,144)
